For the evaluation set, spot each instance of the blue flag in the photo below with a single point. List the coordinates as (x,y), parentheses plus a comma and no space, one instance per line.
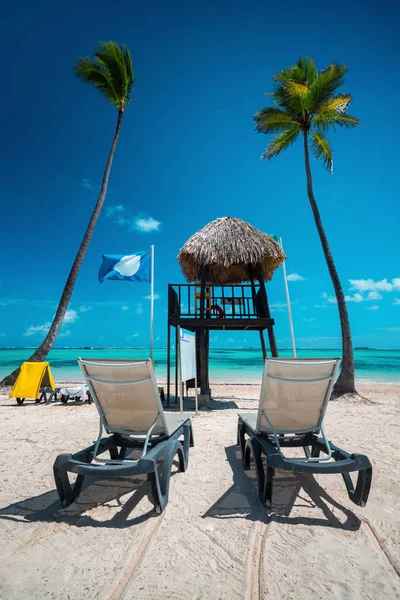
(133,267)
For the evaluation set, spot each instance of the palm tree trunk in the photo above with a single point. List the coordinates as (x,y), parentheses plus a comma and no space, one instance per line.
(345,382)
(44,348)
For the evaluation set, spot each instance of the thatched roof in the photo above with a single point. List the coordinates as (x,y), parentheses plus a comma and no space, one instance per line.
(227,246)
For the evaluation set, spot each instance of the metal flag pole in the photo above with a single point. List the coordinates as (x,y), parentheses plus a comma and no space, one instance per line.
(179,357)
(288,304)
(151,300)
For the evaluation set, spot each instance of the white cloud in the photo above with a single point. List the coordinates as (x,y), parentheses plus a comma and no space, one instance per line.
(355,298)
(140,222)
(134,335)
(64,334)
(309,320)
(146,224)
(70,316)
(2,335)
(278,307)
(390,328)
(373,307)
(156,297)
(87,184)
(139,309)
(230,340)
(114,210)
(295,277)
(125,308)
(396,302)
(366,285)
(374,296)
(124,221)
(85,308)
(33,329)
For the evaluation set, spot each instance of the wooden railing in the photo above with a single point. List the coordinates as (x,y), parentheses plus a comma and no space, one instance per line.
(242,301)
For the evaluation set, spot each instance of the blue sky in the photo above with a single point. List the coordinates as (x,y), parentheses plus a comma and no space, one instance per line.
(188,154)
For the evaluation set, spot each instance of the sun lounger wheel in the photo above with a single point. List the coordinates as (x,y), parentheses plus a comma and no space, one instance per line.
(20,401)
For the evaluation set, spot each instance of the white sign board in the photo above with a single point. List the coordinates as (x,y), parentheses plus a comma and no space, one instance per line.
(188,356)
(187,363)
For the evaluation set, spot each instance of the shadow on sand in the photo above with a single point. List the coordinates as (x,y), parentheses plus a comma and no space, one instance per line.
(99,496)
(290,490)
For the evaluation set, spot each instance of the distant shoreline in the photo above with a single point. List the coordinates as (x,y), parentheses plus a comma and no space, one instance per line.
(283,349)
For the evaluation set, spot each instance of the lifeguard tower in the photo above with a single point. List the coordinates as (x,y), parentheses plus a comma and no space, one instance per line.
(226,265)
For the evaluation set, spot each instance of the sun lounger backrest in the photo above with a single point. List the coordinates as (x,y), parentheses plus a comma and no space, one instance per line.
(125,393)
(295,393)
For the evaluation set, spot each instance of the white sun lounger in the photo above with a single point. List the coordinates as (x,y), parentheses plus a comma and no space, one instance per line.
(294,397)
(126,396)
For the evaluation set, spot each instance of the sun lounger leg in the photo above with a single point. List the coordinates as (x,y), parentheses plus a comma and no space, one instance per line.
(268,486)
(160,482)
(66,491)
(241,440)
(359,495)
(191,436)
(253,451)
(187,443)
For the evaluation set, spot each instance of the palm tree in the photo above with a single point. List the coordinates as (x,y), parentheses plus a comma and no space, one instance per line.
(111,73)
(306,103)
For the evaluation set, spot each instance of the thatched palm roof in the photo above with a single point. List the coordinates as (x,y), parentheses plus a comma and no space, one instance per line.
(227,246)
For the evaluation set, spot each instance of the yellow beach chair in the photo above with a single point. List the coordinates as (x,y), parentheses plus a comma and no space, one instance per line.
(35,381)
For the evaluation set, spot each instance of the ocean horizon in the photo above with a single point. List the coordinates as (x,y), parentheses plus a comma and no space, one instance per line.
(227,365)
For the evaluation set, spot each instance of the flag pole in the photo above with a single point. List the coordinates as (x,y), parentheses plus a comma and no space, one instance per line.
(179,356)
(151,300)
(288,304)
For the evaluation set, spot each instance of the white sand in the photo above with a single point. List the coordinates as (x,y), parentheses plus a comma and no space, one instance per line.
(215,540)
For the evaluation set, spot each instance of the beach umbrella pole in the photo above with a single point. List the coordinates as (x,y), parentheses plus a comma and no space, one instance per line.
(288,304)
(151,300)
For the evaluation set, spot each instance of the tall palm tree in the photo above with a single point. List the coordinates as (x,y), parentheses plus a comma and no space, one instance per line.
(111,73)
(306,103)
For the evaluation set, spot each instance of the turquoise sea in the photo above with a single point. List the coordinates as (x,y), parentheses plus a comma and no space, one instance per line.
(227,365)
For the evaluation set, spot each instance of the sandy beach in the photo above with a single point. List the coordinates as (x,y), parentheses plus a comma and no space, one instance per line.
(215,540)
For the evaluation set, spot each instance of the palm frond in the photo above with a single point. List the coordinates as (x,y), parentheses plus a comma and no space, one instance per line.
(88,71)
(326,84)
(298,97)
(339,104)
(310,70)
(333,112)
(280,99)
(304,96)
(321,149)
(282,141)
(271,120)
(110,72)
(289,74)
(327,120)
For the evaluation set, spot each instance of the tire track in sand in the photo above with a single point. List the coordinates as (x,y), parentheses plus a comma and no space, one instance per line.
(138,554)
(256,566)
(381,545)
